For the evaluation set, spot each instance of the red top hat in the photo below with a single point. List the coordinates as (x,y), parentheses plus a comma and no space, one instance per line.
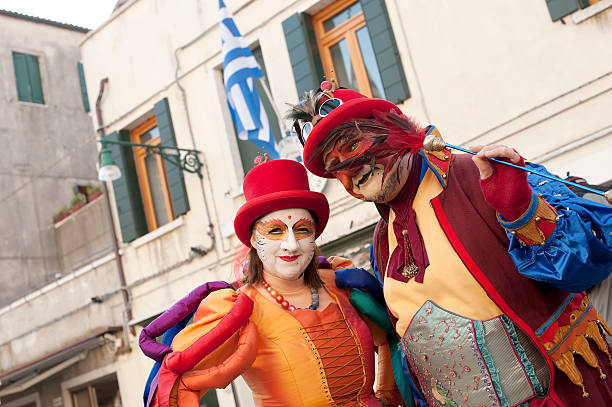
(354,106)
(275,185)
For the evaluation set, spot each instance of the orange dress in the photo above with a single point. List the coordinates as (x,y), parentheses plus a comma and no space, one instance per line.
(302,358)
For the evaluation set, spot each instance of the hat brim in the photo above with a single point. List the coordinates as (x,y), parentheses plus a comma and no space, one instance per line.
(353,109)
(258,207)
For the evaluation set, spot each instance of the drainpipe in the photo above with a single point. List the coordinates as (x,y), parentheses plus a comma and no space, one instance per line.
(127,305)
(211,229)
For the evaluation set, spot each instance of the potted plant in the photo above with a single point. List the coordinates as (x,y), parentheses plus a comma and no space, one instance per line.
(93,191)
(77,202)
(61,214)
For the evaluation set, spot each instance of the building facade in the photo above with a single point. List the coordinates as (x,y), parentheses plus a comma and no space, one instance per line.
(56,254)
(531,74)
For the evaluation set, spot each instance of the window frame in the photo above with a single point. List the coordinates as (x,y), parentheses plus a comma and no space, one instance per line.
(86,379)
(41,67)
(347,30)
(93,400)
(140,155)
(24,401)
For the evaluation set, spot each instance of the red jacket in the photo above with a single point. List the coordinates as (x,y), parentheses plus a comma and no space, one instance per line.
(471,227)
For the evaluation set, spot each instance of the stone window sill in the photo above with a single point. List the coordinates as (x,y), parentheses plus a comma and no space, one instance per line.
(159,232)
(581,15)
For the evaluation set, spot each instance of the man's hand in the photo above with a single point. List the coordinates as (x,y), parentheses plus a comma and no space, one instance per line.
(492,151)
(505,188)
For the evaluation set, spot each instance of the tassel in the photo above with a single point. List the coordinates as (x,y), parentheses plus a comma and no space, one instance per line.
(584,393)
(567,365)
(604,326)
(602,375)
(568,340)
(593,332)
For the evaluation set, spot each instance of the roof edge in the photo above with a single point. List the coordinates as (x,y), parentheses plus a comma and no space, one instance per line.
(39,20)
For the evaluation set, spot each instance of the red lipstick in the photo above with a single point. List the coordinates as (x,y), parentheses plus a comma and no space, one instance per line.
(288,258)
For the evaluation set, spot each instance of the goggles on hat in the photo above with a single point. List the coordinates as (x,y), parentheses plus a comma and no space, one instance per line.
(326,108)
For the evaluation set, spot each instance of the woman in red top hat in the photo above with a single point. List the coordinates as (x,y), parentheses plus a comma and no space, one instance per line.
(289,331)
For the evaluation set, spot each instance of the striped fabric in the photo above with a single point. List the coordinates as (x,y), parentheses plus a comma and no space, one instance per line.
(240,69)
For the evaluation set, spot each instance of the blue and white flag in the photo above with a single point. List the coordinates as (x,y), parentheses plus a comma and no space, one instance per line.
(240,70)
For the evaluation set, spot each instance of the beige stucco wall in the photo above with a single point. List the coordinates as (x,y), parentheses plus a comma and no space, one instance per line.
(480,71)
(60,314)
(46,151)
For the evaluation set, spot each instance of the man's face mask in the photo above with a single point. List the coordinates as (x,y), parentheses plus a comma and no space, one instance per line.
(364,179)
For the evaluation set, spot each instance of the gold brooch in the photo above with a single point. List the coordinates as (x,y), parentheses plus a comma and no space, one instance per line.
(410,270)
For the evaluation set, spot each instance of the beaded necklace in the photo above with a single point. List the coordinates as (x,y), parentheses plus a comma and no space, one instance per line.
(314,304)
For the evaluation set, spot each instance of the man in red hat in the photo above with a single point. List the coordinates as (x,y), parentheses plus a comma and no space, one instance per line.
(483,267)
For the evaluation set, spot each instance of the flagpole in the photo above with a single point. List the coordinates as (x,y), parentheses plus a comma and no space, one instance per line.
(281,123)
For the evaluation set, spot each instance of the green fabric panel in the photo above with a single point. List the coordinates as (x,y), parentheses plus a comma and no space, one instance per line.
(560,8)
(127,190)
(83,87)
(303,52)
(394,81)
(27,76)
(174,175)
(398,371)
(367,305)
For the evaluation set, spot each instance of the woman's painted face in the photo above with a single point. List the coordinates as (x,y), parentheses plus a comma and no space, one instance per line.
(285,242)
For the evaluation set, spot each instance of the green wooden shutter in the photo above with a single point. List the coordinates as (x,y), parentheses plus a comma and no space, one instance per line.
(387,56)
(584,3)
(27,76)
(560,8)
(83,87)
(35,83)
(21,77)
(174,174)
(303,52)
(127,190)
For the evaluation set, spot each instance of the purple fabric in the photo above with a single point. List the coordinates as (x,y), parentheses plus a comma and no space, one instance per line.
(153,387)
(323,263)
(171,317)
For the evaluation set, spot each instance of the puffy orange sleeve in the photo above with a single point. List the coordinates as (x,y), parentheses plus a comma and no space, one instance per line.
(222,365)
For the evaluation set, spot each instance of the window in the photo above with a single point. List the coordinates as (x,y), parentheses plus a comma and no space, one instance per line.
(103,393)
(561,8)
(352,41)
(152,176)
(31,400)
(151,190)
(346,48)
(27,76)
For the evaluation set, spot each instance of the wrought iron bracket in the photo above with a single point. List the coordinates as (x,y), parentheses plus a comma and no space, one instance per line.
(184,158)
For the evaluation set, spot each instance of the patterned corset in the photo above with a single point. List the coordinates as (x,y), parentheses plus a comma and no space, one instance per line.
(339,356)
(464,362)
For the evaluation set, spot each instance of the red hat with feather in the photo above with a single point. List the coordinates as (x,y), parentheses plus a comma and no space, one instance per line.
(356,106)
